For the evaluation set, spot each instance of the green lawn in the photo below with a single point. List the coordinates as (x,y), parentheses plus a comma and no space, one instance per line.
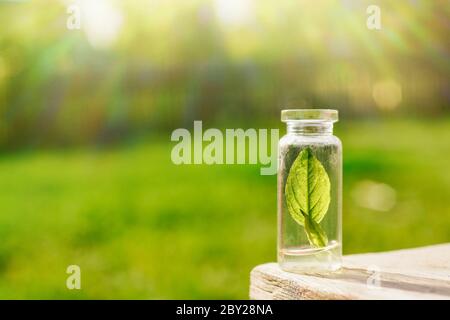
(141,227)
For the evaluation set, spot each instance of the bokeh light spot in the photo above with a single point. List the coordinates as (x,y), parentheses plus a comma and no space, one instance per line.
(387,94)
(101,21)
(374,195)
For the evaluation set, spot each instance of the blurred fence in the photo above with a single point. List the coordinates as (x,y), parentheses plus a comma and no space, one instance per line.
(141,66)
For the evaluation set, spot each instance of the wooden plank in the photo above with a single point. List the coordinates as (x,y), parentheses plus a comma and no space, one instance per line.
(420,273)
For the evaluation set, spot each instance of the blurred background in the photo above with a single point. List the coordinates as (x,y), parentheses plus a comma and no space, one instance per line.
(86,116)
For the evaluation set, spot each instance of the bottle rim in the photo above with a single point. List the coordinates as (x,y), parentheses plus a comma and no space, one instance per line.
(310,115)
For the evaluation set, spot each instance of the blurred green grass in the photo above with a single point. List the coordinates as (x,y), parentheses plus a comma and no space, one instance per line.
(141,227)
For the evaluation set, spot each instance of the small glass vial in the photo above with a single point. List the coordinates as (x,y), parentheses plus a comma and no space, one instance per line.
(309,192)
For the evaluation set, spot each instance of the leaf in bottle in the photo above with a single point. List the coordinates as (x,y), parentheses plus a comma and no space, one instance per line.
(307,193)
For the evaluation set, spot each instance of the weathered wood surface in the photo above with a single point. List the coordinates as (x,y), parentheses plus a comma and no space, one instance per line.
(420,273)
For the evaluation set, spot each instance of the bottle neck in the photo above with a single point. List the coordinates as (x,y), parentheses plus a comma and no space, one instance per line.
(310,128)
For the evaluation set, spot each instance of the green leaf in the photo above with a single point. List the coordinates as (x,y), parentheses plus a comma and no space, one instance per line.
(307,193)
(316,236)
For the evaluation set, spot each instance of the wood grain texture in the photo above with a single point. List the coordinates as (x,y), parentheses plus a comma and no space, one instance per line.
(420,273)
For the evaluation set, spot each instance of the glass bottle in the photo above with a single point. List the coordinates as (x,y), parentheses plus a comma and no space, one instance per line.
(309,192)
